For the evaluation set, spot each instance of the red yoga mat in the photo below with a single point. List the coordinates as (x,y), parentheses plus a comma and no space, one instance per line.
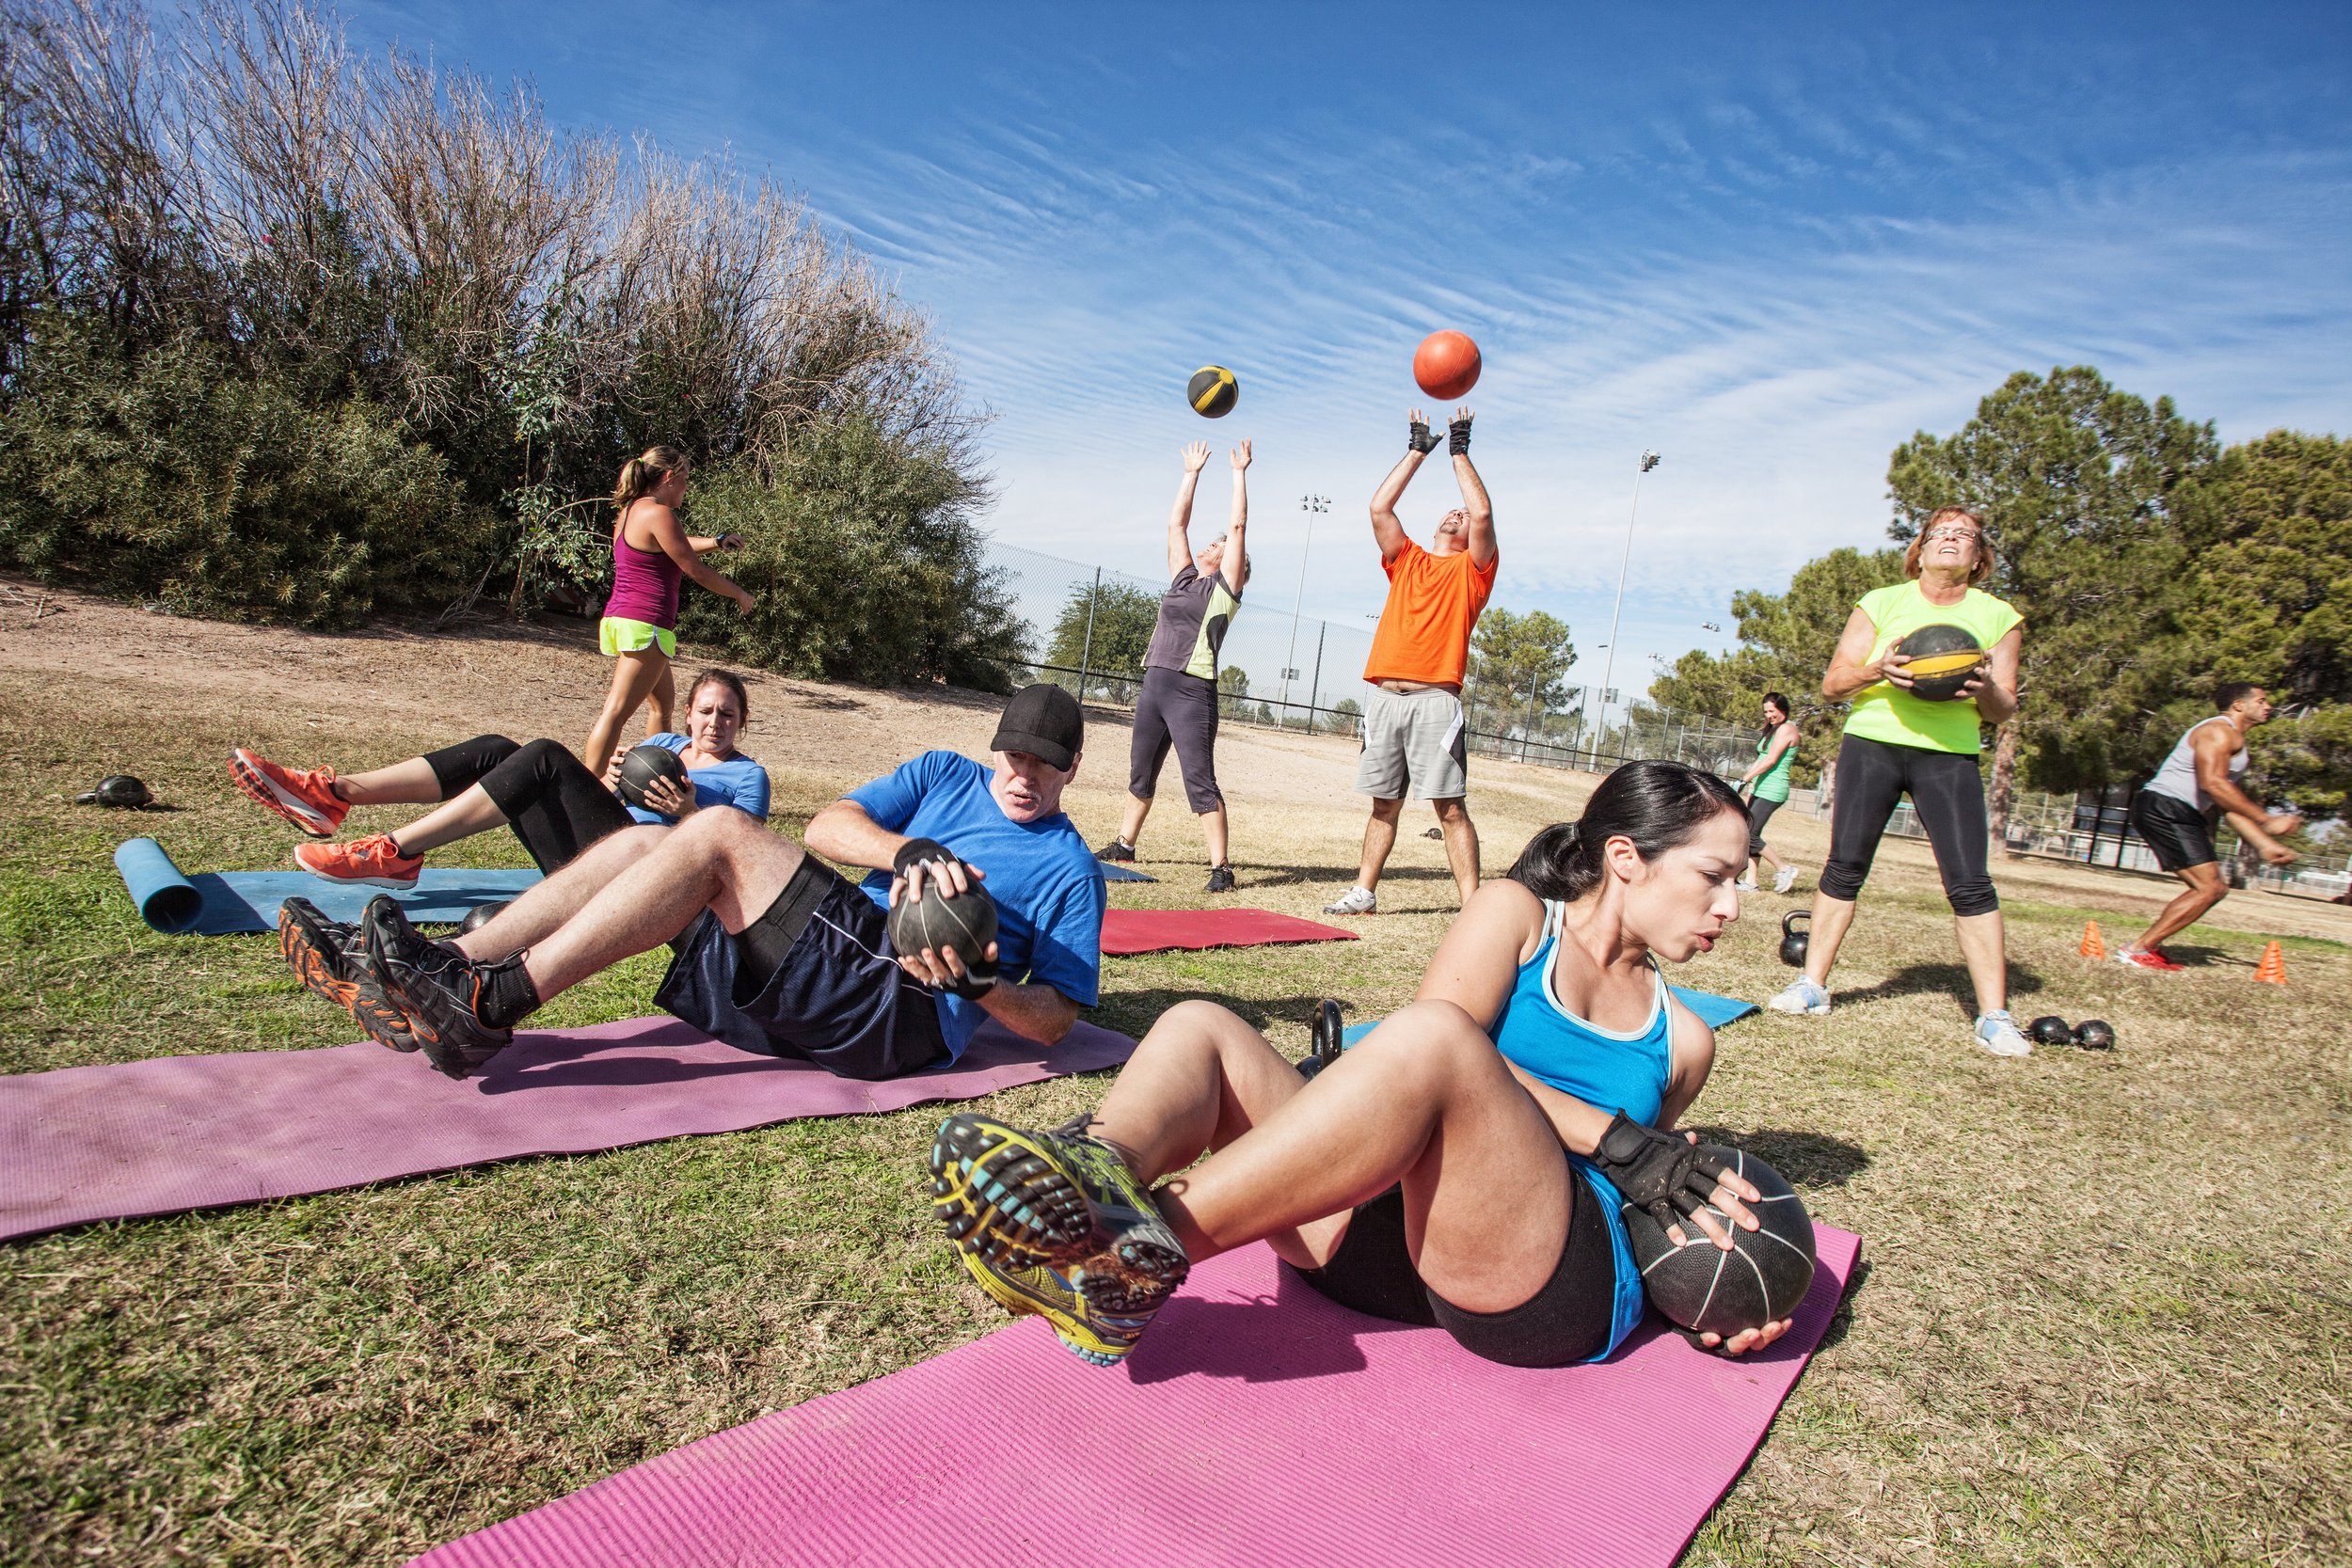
(1257,1423)
(1131,931)
(179,1132)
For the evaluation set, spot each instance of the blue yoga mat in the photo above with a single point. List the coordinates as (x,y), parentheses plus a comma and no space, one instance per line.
(214,904)
(1114,872)
(1714,1011)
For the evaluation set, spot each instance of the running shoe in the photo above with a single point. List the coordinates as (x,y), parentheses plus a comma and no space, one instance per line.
(1220,879)
(1117,849)
(1998,1032)
(375,860)
(434,989)
(1022,1198)
(1801,996)
(1061,1298)
(303,796)
(1786,879)
(1744,885)
(327,957)
(1355,900)
(2134,959)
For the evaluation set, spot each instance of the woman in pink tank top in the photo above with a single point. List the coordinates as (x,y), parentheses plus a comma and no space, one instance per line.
(651,552)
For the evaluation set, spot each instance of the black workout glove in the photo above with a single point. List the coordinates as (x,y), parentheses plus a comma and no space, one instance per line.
(1420,439)
(1457,436)
(979,980)
(922,851)
(1657,1171)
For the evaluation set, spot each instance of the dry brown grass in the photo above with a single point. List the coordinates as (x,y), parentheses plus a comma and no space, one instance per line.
(2101,1320)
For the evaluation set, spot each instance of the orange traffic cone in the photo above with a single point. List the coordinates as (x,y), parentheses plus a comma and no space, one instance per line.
(2092,947)
(2273,969)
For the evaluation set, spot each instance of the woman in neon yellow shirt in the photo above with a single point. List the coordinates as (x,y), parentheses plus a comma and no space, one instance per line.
(1896,743)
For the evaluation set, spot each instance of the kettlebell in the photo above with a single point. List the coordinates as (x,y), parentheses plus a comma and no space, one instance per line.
(119,790)
(1792,942)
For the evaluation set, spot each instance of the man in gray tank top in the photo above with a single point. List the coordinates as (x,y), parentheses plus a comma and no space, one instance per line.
(2174,814)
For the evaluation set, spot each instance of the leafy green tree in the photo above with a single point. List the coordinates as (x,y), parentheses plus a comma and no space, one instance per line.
(2076,482)
(1784,645)
(1518,666)
(1121,617)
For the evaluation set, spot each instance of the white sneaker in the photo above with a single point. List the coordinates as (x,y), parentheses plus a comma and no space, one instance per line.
(1801,996)
(1744,885)
(1786,879)
(1355,900)
(1999,1034)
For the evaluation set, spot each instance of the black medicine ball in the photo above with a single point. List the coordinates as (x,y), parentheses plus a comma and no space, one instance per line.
(1760,1280)
(1942,657)
(481,915)
(2050,1029)
(964,924)
(643,765)
(1212,391)
(2095,1034)
(119,790)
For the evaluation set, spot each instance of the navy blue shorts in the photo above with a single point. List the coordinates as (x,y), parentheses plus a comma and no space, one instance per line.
(831,993)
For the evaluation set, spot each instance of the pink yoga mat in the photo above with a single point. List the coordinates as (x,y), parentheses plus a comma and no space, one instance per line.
(1128,931)
(1257,1424)
(179,1133)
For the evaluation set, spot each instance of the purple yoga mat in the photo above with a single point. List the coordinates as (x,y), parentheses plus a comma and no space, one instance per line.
(179,1132)
(1257,1423)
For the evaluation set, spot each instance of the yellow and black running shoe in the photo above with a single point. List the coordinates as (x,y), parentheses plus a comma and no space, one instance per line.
(1018,1198)
(1100,1336)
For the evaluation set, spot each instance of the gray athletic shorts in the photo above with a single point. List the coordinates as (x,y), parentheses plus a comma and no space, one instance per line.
(1418,740)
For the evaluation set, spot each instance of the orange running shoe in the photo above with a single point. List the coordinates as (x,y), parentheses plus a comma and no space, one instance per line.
(303,796)
(373,859)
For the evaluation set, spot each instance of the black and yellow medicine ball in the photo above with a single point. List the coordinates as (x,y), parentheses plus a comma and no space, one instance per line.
(1214,391)
(1942,657)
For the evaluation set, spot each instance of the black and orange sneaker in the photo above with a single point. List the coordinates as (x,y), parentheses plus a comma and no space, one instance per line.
(326,956)
(433,987)
(303,796)
(1055,1224)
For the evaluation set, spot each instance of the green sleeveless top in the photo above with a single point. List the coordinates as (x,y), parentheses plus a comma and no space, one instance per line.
(1772,784)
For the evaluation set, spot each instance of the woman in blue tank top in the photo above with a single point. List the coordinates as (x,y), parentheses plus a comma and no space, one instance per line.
(1461,1166)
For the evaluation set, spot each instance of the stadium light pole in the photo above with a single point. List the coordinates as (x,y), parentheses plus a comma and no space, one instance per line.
(1310,505)
(1609,666)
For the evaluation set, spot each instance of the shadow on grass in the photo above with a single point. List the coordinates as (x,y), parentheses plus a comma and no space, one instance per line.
(1134,1012)
(1255,874)
(1946,979)
(1807,1158)
(1843,1320)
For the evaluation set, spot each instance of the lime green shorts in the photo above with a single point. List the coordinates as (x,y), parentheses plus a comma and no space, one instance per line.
(618,634)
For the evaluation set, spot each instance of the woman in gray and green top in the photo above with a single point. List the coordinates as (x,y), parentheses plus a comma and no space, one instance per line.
(1177,706)
(1775,755)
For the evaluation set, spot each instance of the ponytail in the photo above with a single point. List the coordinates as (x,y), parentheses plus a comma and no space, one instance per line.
(641,476)
(1656,805)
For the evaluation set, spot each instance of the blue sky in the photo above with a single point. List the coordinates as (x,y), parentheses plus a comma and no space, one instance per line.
(1769,242)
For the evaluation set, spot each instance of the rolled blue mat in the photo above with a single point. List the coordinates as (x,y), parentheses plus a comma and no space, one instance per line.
(167,899)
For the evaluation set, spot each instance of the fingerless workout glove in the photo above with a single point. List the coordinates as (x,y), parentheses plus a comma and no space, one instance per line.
(1657,1171)
(1457,438)
(916,851)
(1420,439)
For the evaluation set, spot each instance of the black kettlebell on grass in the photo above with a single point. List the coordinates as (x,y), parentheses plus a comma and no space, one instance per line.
(1792,942)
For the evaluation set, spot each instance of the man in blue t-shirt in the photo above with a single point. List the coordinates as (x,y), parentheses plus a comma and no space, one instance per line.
(774,952)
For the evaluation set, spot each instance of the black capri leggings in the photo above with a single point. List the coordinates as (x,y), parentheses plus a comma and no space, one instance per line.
(1566,1321)
(555,806)
(1759,812)
(1872,778)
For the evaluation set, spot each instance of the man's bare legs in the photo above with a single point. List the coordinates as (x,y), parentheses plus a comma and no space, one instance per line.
(2205,889)
(1461,844)
(1425,1100)
(550,902)
(723,861)
(1379,838)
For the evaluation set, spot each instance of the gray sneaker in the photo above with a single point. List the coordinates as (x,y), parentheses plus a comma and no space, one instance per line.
(1999,1034)
(1801,996)
(1786,879)
(1355,900)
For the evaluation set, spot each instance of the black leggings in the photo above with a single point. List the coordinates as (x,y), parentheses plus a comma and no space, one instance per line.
(1872,778)
(555,806)
(1759,812)
(1566,1321)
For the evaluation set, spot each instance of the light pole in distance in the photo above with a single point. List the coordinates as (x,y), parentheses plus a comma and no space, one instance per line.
(1649,461)
(1312,506)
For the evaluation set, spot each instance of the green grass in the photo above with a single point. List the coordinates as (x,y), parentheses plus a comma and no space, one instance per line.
(2103,1316)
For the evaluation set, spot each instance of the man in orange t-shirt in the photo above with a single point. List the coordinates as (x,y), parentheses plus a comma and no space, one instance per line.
(1413,729)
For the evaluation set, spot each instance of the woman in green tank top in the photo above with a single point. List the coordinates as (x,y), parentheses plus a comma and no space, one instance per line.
(1775,753)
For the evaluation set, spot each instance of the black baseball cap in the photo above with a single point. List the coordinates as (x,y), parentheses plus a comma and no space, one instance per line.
(1044,721)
